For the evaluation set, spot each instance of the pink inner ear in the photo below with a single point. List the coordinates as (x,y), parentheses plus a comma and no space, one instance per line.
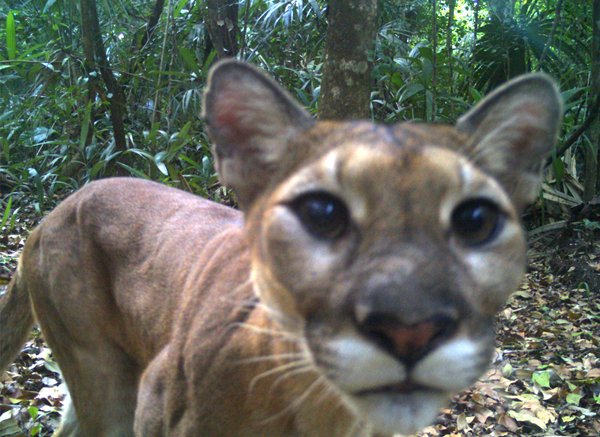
(232,121)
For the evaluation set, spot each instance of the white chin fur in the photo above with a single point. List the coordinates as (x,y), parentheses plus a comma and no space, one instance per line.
(360,369)
(403,413)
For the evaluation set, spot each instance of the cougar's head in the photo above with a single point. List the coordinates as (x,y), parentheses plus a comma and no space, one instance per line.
(387,249)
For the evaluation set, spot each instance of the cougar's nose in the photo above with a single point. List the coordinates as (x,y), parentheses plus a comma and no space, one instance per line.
(409,342)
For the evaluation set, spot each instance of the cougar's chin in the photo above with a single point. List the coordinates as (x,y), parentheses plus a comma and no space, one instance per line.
(405,412)
(398,397)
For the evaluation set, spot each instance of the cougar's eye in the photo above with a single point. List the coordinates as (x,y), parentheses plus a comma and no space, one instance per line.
(323,215)
(476,221)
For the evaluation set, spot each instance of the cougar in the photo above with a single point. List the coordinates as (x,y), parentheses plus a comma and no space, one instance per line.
(353,291)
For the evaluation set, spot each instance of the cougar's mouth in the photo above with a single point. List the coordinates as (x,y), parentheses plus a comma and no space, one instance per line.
(406,387)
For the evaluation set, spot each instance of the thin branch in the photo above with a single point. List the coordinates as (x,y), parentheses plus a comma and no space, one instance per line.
(580,131)
(552,32)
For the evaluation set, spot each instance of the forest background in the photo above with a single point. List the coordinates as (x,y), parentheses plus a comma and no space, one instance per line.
(121,93)
(93,89)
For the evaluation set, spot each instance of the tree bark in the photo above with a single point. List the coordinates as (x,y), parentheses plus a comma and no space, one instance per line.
(152,22)
(346,82)
(96,56)
(222,26)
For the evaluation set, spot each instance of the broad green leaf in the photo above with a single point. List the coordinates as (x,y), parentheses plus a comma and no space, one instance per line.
(542,378)
(96,168)
(162,168)
(11,36)
(179,7)
(5,115)
(36,430)
(27,52)
(133,171)
(85,125)
(6,212)
(151,136)
(48,5)
(573,398)
(189,161)
(558,167)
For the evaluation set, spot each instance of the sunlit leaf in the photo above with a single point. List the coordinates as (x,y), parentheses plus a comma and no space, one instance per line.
(11,36)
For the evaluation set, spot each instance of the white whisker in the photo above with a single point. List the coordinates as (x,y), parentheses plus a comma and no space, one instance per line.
(278,369)
(274,357)
(308,367)
(268,331)
(298,401)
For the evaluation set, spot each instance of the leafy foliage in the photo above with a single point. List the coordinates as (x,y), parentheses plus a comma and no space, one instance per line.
(54,138)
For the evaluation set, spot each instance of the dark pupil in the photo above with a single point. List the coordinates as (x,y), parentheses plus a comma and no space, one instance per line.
(323,215)
(476,222)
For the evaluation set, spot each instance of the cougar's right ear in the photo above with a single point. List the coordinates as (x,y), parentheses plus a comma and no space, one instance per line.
(250,121)
(512,131)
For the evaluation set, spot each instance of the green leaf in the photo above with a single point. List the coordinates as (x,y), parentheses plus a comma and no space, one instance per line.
(207,64)
(133,171)
(36,430)
(6,212)
(11,36)
(573,398)
(97,167)
(85,125)
(48,5)
(558,166)
(189,58)
(35,176)
(179,7)
(151,137)
(542,378)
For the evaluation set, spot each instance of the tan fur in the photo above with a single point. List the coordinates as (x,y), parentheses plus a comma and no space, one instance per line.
(175,316)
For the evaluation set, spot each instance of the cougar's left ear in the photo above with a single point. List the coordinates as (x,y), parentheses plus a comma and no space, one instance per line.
(511,132)
(250,121)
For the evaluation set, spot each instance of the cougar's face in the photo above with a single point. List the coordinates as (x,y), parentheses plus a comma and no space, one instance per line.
(390,258)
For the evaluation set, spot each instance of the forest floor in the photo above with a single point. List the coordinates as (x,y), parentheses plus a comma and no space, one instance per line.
(545,379)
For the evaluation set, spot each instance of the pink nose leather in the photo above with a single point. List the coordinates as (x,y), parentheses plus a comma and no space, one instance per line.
(409,339)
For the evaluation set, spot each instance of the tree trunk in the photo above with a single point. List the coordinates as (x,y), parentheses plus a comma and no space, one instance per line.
(592,157)
(152,22)
(346,82)
(222,25)
(94,48)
